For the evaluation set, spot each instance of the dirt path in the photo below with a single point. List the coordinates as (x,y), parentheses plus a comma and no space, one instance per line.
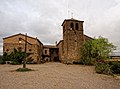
(55,76)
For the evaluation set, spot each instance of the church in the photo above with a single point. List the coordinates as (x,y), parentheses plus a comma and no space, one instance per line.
(66,50)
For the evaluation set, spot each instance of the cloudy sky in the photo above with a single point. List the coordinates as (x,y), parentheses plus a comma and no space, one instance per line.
(43,18)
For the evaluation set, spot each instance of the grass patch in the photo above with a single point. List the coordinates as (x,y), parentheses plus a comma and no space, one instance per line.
(23,69)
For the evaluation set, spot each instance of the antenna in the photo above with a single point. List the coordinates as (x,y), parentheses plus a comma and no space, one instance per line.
(68,12)
(56,42)
(72,15)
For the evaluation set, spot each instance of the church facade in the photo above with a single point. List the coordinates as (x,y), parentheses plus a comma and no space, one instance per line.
(73,39)
(65,50)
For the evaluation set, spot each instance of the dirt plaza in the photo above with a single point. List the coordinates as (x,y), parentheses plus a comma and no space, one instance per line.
(53,75)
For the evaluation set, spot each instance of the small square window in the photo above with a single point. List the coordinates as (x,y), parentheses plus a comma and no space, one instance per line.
(45,51)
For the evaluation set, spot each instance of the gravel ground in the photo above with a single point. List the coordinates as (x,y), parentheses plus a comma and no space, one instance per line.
(55,76)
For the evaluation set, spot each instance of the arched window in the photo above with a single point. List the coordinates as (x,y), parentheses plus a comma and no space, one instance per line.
(76,26)
(72,26)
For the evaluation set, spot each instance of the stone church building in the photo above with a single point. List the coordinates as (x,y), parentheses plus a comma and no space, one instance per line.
(67,49)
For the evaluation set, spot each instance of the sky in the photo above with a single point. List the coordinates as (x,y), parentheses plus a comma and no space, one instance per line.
(43,18)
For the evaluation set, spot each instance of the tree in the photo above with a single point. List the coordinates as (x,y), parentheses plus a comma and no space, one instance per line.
(86,53)
(1,59)
(98,48)
(17,56)
(101,48)
(5,57)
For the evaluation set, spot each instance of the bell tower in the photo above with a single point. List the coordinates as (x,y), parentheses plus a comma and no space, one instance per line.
(72,39)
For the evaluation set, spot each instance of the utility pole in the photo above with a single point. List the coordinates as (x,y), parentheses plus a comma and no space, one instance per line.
(24,61)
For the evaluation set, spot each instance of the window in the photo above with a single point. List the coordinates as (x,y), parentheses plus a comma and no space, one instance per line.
(76,26)
(45,51)
(20,40)
(30,50)
(72,26)
(7,50)
(19,49)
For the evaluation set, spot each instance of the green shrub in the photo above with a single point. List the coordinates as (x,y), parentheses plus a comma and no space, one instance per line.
(98,48)
(2,62)
(107,68)
(103,68)
(23,69)
(115,67)
(87,61)
(15,63)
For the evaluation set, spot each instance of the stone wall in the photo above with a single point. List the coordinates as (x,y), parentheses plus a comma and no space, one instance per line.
(72,39)
(69,47)
(33,46)
(60,46)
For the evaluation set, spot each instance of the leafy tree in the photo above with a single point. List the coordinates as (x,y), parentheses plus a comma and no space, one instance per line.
(5,57)
(86,53)
(1,59)
(18,56)
(95,50)
(101,48)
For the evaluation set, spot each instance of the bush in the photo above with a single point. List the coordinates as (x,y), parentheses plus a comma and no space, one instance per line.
(97,49)
(115,67)
(88,61)
(23,69)
(15,63)
(107,68)
(103,68)
(2,62)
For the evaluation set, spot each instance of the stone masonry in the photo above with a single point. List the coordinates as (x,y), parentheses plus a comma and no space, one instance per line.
(67,49)
(72,39)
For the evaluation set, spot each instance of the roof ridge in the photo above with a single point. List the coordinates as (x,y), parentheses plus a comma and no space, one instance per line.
(18,34)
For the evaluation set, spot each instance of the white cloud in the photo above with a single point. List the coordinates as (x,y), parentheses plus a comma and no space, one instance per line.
(107,25)
(44,18)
